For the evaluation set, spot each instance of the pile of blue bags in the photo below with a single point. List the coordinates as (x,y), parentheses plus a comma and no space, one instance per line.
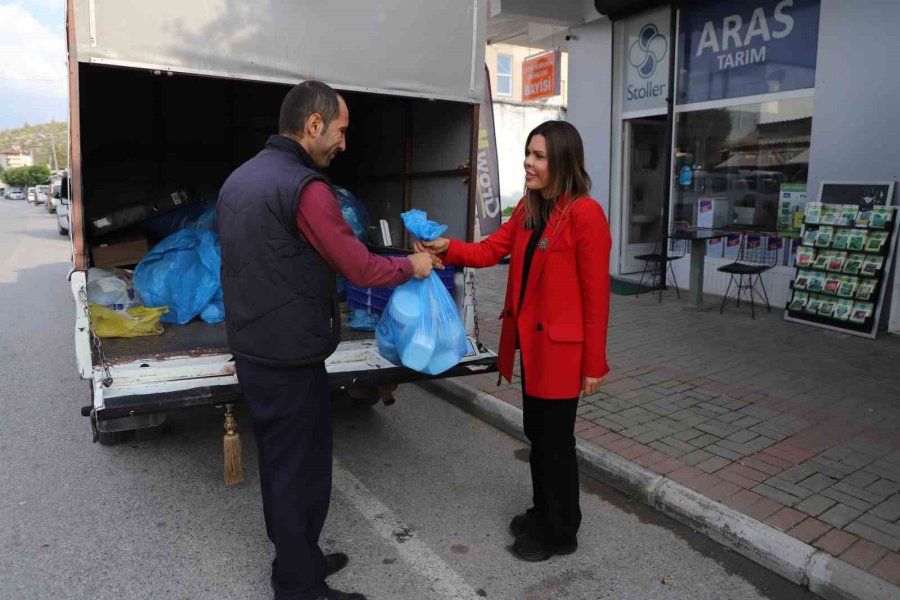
(182,272)
(421,328)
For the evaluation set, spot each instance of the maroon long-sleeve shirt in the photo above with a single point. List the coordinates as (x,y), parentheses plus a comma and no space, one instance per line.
(321,223)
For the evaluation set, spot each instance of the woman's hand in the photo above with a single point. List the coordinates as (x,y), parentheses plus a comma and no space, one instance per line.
(436,246)
(591,385)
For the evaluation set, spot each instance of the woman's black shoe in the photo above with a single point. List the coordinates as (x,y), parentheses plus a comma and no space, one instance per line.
(529,548)
(523,523)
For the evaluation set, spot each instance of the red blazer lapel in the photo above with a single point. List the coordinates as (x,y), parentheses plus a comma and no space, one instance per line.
(554,227)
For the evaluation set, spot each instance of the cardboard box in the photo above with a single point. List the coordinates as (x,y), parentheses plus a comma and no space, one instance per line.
(120,250)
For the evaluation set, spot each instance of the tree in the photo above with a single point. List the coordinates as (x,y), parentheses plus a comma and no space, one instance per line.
(24,177)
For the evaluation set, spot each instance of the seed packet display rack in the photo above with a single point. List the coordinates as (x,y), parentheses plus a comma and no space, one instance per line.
(844,261)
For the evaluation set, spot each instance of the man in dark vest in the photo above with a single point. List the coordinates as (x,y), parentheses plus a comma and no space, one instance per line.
(283,241)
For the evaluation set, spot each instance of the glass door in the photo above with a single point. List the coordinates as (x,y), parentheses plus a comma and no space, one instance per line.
(643,189)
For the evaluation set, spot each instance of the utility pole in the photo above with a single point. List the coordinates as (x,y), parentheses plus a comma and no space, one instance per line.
(52,141)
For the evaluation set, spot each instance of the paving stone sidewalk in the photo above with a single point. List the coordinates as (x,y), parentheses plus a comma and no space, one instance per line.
(794,426)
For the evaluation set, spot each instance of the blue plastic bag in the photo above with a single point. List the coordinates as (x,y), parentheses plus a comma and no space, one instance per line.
(354,212)
(418,224)
(361,320)
(193,216)
(182,272)
(421,328)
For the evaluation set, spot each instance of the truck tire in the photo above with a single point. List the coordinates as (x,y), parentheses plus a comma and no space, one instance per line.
(111,438)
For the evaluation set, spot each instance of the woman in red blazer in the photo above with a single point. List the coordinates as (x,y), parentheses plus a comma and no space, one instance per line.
(556,314)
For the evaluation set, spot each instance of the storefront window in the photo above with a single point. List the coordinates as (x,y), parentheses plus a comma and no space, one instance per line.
(739,162)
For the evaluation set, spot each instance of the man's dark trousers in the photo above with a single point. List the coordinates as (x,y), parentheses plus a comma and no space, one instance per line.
(291,413)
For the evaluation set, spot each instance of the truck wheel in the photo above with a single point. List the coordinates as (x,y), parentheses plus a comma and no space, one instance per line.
(111,438)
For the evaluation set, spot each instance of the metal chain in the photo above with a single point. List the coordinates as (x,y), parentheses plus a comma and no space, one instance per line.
(95,340)
(475,308)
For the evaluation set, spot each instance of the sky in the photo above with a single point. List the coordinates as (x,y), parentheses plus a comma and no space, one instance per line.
(33,87)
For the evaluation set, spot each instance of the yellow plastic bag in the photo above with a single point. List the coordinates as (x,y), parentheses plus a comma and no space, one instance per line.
(134,322)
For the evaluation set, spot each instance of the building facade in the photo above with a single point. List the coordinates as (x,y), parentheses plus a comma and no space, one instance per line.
(771,98)
(13,159)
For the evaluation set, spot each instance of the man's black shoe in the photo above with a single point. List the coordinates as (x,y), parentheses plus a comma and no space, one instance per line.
(332,594)
(531,549)
(524,523)
(335,562)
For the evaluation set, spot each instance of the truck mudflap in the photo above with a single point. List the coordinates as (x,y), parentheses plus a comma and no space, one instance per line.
(145,388)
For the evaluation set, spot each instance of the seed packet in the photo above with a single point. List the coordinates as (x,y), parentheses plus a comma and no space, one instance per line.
(815,282)
(805,256)
(836,261)
(802,279)
(848,215)
(863,217)
(853,263)
(841,239)
(826,309)
(822,258)
(832,283)
(813,305)
(866,289)
(831,214)
(799,301)
(871,265)
(876,241)
(881,216)
(824,237)
(861,312)
(857,240)
(809,236)
(813,212)
(842,309)
(848,287)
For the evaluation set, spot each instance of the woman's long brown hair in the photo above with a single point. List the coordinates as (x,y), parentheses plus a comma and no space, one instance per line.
(565,161)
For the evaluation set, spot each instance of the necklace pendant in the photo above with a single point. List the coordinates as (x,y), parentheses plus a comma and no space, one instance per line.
(543,243)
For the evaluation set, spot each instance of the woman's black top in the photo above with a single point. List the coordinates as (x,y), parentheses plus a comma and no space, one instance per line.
(536,235)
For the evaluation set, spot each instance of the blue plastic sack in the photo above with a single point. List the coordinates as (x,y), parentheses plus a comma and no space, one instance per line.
(418,224)
(362,320)
(193,216)
(421,328)
(354,212)
(182,272)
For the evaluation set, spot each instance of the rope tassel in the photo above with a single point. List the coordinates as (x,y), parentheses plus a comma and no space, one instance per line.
(234,466)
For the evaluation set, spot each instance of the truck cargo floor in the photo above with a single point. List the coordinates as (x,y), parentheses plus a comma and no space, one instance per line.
(194,339)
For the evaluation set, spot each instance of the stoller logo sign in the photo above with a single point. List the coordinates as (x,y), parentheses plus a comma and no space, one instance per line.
(645,55)
(645,61)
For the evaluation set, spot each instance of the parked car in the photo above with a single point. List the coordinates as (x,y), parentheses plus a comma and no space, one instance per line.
(31,194)
(42,194)
(62,209)
(15,194)
(53,197)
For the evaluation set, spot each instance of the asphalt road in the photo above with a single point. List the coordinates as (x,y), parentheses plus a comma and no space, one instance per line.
(423,492)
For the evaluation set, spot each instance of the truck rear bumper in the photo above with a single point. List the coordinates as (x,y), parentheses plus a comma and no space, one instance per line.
(212,391)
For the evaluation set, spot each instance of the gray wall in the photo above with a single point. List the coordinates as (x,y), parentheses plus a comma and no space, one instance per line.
(590,99)
(856,118)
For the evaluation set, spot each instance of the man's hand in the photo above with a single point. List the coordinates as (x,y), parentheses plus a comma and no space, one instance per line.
(590,385)
(422,264)
(436,246)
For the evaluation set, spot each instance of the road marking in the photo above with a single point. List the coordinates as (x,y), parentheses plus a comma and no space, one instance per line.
(444,580)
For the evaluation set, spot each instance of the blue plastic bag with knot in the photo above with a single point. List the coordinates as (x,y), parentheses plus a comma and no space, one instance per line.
(182,273)
(416,221)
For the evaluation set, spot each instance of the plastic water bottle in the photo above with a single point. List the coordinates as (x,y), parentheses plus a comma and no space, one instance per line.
(405,306)
(418,351)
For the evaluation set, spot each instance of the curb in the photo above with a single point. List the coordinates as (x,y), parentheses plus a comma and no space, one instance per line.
(798,562)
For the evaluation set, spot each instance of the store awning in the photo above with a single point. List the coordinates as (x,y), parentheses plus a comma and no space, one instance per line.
(619,9)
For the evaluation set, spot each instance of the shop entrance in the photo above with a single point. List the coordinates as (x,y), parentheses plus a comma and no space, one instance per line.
(643,190)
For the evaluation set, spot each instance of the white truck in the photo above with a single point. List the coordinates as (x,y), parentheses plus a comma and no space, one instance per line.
(171,93)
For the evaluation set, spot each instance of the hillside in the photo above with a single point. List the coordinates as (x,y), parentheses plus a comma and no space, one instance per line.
(29,138)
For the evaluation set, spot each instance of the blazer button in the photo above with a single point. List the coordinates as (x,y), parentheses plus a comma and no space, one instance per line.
(539,327)
(509,313)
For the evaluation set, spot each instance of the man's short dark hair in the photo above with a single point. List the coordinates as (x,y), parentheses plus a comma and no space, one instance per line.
(303,100)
